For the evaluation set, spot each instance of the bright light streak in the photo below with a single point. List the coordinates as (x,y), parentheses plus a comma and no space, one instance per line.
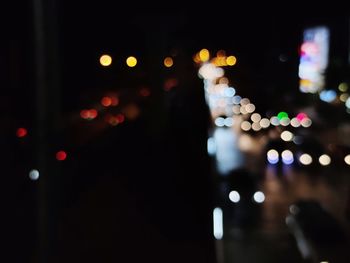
(218,223)
(287,136)
(259,197)
(34,175)
(234,196)
(305,159)
(272,156)
(131,61)
(287,157)
(324,159)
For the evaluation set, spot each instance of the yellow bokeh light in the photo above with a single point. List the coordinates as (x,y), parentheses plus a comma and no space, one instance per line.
(231,60)
(131,61)
(105,60)
(168,62)
(343,87)
(204,55)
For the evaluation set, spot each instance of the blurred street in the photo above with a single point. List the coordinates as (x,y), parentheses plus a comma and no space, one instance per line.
(174,135)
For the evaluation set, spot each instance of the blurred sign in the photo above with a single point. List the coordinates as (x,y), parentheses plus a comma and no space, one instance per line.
(313,59)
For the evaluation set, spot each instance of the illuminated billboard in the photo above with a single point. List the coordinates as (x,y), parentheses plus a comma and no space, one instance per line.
(313,59)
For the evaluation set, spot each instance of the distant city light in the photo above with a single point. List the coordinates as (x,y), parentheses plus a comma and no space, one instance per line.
(305,159)
(229,92)
(88,114)
(287,157)
(264,123)
(274,121)
(105,60)
(210,71)
(211,146)
(259,197)
(234,196)
(272,156)
(244,101)
(131,61)
(343,97)
(246,126)
(301,116)
(145,92)
(347,103)
(218,223)
(287,136)
(228,122)
(220,122)
(324,159)
(250,108)
(34,175)
(231,60)
(347,159)
(256,126)
(313,59)
(328,95)
(256,117)
(21,132)
(168,62)
(306,122)
(281,115)
(343,87)
(204,55)
(295,122)
(61,155)
(106,101)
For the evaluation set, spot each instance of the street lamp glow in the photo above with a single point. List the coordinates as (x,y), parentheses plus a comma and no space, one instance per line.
(305,159)
(324,159)
(168,62)
(105,60)
(131,61)
(231,60)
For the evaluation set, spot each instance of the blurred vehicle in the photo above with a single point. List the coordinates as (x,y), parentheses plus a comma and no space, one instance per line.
(242,196)
(319,236)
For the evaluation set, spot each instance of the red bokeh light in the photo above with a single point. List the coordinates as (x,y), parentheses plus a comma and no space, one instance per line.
(61,155)
(21,132)
(301,116)
(145,92)
(120,118)
(106,101)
